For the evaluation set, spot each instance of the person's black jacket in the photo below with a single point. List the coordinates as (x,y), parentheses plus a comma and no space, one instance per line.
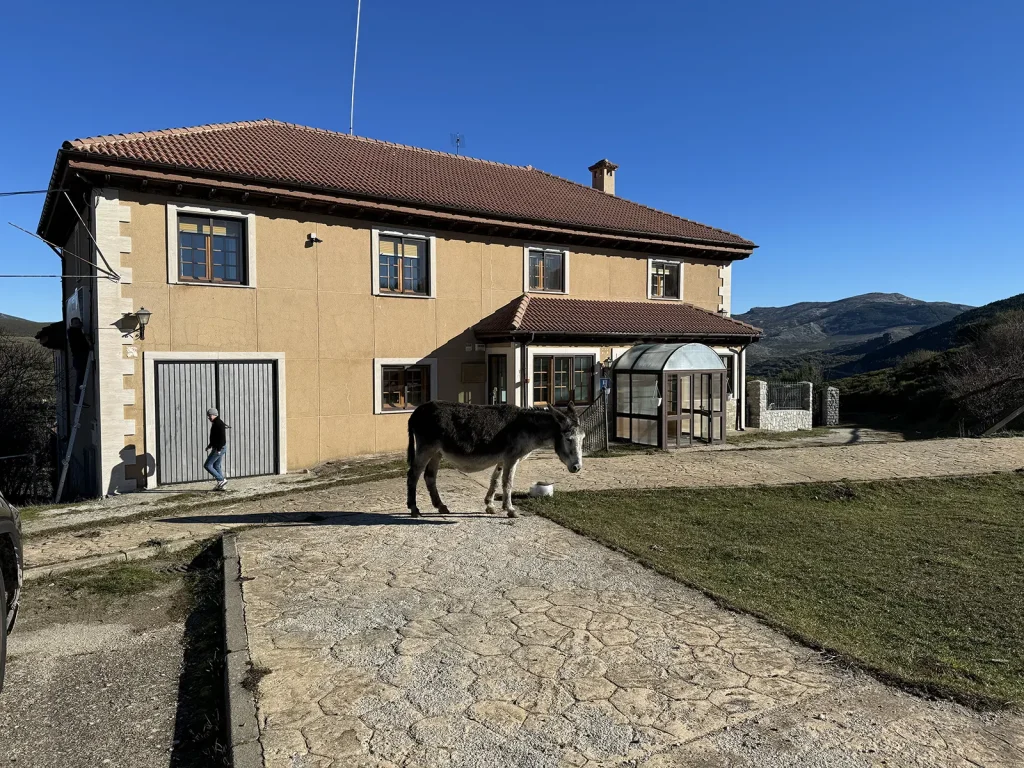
(218,434)
(80,346)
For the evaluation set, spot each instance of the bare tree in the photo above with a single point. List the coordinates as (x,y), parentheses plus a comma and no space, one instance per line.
(986,377)
(26,416)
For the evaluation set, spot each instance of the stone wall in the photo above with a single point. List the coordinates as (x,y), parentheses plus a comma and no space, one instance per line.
(759,415)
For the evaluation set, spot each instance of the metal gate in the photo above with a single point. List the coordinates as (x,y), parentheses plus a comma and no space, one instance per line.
(594,421)
(245,393)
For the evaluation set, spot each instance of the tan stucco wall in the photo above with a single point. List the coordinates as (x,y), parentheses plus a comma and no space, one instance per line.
(315,305)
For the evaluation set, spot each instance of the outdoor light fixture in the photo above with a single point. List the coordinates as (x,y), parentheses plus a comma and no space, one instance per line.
(143,316)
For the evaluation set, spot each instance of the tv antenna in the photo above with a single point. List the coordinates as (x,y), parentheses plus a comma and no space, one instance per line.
(458,141)
(355,58)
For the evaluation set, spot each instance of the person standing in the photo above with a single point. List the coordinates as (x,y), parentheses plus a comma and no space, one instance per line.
(80,347)
(217,447)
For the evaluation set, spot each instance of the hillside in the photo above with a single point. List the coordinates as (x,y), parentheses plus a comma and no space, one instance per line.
(835,333)
(17,326)
(900,385)
(952,333)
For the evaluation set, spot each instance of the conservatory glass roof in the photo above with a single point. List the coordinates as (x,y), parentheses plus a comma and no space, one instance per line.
(669,357)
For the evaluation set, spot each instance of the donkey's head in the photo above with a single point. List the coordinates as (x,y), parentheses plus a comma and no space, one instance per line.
(569,438)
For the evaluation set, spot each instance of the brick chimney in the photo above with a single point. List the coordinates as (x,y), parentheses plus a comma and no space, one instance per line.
(603,176)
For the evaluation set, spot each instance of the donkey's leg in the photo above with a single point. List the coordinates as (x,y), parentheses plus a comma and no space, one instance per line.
(430,477)
(489,498)
(507,478)
(416,467)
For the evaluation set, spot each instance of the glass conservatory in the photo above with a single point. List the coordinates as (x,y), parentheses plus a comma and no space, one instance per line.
(669,395)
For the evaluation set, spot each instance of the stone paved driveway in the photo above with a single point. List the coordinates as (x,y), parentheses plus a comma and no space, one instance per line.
(479,641)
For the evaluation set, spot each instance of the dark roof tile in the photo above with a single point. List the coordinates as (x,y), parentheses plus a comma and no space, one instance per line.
(273,151)
(580,317)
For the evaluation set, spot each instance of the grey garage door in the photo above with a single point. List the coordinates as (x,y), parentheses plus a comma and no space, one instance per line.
(245,393)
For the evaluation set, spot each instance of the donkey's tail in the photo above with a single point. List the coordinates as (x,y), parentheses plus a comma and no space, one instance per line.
(410,454)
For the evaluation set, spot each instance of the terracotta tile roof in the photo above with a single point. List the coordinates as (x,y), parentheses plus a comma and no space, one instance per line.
(544,315)
(272,151)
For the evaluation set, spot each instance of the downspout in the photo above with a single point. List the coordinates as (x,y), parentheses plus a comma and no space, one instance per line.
(743,389)
(523,370)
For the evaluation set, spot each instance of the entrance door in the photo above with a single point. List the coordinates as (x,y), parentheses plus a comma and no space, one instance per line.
(703,421)
(497,379)
(244,392)
(679,410)
(708,407)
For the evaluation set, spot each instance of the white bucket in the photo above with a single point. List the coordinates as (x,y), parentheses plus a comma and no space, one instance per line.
(542,489)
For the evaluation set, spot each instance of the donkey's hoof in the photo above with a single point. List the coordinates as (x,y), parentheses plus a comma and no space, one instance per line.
(443,510)
(489,509)
(512,512)
(414,512)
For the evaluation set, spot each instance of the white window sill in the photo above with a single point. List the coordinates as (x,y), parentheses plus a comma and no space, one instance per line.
(664,298)
(211,285)
(388,295)
(541,290)
(383,412)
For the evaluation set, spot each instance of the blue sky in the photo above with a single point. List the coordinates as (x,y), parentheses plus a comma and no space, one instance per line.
(870,146)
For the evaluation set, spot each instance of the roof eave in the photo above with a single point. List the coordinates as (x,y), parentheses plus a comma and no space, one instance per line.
(513,335)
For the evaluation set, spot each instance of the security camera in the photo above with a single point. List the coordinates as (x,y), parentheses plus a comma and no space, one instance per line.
(313,238)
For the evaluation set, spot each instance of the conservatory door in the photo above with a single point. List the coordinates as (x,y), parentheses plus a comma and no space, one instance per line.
(678,410)
(708,407)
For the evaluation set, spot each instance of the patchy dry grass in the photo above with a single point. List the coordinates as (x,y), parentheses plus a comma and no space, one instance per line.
(123,580)
(746,438)
(919,581)
(615,450)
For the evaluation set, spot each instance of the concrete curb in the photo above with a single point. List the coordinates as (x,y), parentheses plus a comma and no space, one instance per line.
(122,556)
(243,728)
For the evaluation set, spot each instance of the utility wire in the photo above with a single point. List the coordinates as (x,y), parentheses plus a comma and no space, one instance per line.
(65,252)
(30,192)
(110,270)
(63,277)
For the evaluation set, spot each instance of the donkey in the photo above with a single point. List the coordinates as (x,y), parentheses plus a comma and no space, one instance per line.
(475,437)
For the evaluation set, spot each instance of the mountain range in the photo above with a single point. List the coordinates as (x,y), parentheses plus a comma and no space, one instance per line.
(837,334)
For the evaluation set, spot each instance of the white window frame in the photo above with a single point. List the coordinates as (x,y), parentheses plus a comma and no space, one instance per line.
(526,267)
(378,379)
(650,273)
(246,214)
(533,352)
(431,239)
(737,360)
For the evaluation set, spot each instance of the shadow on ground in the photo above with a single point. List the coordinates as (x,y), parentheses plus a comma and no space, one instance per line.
(323,518)
(199,730)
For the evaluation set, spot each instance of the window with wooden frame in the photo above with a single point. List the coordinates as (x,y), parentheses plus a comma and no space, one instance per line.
(546,268)
(665,279)
(403,265)
(403,387)
(211,250)
(563,379)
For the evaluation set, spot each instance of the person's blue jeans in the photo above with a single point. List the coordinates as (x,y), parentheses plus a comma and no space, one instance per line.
(214,462)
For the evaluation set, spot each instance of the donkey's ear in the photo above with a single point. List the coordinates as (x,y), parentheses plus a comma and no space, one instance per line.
(574,415)
(555,412)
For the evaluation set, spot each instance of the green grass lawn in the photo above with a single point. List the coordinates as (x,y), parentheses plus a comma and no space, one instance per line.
(919,581)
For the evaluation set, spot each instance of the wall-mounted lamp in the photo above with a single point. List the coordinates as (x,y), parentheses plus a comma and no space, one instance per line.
(143,316)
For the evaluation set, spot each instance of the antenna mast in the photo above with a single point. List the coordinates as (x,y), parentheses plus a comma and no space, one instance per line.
(355,58)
